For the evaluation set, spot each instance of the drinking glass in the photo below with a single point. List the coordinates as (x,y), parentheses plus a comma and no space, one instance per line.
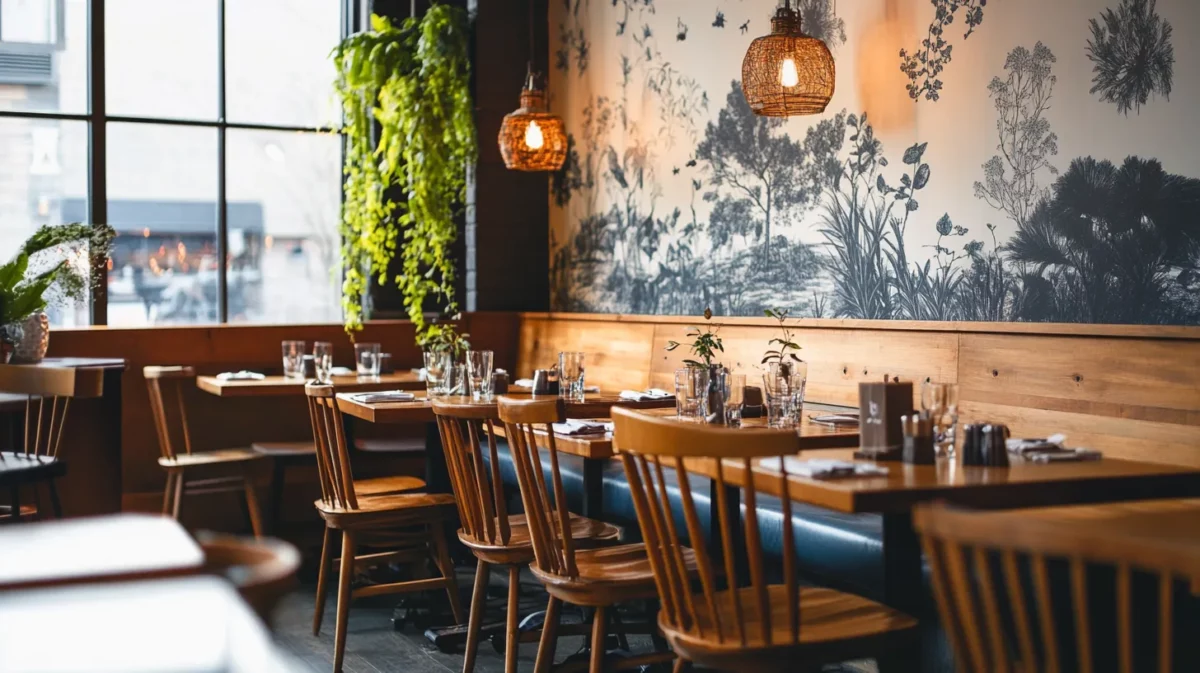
(735,396)
(479,370)
(797,382)
(366,356)
(939,401)
(570,376)
(456,379)
(691,391)
(323,360)
(293,359)
(436,364)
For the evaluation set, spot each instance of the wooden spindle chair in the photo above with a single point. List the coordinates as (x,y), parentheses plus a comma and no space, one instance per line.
(762,626)
(594,578)
(34,458)
(413,524)
(1021,594)
(264,571)
(218,471)
(495,537)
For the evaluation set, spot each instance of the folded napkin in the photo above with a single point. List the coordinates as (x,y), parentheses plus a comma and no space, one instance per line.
(1042,445)
(341,371)
(848,418)
(644,395)
(240,376)
(824,468)
(383,396)
(523,383)
(577,427)
(1065,455)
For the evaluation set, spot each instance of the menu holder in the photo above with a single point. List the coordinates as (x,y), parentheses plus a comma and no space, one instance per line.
(881,405)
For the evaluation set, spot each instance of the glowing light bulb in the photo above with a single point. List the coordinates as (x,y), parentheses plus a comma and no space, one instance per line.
(788,75)
(533,136)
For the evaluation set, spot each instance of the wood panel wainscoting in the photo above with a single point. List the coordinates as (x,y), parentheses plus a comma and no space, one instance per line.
(1131,391)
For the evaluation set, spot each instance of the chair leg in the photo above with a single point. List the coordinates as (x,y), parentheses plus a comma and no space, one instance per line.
(278,477)
(168,493)
(545,653)
(345,574)
(478,601)
(599,633)
(680,665)
(55,505)
(512,628)
(446,565)
(177,507)
(252,507)
(322,581)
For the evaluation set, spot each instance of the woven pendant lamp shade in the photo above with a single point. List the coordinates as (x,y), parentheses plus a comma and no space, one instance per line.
(532,139)
(787,73)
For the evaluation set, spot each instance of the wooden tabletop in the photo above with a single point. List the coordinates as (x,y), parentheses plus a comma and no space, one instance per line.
(107,548)
(182,625)
(279,386)
(421,409)
(601,445)
(1020,485)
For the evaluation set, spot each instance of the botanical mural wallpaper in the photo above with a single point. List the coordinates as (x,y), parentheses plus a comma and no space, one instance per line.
(1012,160)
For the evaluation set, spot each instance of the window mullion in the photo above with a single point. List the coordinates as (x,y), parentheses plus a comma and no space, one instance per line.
(222,206)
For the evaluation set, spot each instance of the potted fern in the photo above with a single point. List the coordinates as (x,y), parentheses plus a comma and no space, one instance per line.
(44,270)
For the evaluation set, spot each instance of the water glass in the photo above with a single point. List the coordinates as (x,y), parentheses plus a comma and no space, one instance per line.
(735,396)
(366,356)
(323,361)
(939,401)
(570,376)
(797,382)
(479,370)
(436,364)
(293,359)
(456,379)
(691,392)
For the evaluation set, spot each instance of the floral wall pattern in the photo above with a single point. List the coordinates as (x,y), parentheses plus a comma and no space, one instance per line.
(1007,161)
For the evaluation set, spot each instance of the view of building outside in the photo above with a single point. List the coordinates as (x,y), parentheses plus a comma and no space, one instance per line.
(161,62)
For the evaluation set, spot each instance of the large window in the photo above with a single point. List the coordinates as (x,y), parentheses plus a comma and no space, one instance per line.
(200,131)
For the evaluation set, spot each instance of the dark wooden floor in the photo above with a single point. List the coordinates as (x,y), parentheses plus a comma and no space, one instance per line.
(374,646)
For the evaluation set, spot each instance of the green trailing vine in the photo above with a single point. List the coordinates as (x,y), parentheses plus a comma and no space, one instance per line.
(414,80)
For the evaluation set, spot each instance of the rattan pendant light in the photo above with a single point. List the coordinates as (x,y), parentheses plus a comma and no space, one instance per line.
(787,73)
(532,139)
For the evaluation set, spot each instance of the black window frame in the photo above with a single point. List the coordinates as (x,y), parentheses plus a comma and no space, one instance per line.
(353,14)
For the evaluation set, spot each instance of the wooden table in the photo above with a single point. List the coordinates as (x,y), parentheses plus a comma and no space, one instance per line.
(91,445)
(280,386)
(182,625)
(1020,485)
(95,549)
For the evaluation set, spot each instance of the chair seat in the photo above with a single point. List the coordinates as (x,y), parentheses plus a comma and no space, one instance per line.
(392,445)
(399,509)
(219,457)
(519,549)
(609,575)
(18,468)
(284,449)
(387,485)
(833,626)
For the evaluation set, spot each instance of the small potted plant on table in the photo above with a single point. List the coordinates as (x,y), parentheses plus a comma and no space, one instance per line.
(705,345)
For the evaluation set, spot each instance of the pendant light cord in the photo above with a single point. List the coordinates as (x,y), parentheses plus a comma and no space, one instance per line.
(532,42)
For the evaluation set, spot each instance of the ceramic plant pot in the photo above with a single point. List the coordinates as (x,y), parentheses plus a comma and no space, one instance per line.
(31,347)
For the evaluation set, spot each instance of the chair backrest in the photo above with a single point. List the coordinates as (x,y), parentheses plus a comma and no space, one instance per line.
(478,491)
(333,456)
(649,445)
(166,385)
(1000,597)
(546,511)
(48,393)
(263,570)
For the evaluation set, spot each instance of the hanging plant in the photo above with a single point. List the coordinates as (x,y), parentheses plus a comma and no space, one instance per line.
(414,81)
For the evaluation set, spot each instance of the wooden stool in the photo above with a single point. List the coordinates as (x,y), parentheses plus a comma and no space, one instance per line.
(595,578)
(413,522)
(495,537)
(48,392)
(755,628)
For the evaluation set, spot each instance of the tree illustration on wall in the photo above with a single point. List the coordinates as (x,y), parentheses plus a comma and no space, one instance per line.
(1115,243)
(1132,55)
(923,64)
(819,19)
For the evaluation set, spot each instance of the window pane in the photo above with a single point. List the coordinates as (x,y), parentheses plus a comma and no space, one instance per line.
(162,200)
(285,79)
(284,198)
(43,180)
(38,71)
(161,58)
